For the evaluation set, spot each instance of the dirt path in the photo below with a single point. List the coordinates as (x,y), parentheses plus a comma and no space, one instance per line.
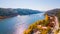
(56,25)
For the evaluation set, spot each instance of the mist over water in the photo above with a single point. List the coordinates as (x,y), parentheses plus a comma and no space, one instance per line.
(16,25)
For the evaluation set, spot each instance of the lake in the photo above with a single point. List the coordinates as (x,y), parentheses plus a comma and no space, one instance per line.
(16,25)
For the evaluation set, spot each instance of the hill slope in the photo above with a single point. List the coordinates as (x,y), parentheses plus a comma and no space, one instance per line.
(55,12)
(27,11)
(9,12)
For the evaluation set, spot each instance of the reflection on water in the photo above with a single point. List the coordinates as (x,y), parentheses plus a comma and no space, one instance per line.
(16,25)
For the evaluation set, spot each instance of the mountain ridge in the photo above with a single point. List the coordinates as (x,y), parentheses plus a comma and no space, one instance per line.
(55,12)
(9,12)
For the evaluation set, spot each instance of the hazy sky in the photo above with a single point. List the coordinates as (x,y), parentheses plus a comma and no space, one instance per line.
(31,4)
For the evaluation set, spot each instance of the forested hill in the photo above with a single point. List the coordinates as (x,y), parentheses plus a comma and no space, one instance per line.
(55,12)
(9,12)
(27,11)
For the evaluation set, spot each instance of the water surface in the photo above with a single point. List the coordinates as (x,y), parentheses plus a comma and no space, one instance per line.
(16,25)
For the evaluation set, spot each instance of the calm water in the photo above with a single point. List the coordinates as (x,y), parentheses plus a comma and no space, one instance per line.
(16,25)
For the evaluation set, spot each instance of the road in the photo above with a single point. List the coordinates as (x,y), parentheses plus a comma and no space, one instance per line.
(56,25)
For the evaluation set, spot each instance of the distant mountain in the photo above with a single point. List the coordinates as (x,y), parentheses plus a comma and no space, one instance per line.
(55,12)
(27,11)
(9,12)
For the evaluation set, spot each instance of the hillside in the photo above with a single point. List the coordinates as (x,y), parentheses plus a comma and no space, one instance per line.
(49,25)
(9,12)
(55,12)
(27,11)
